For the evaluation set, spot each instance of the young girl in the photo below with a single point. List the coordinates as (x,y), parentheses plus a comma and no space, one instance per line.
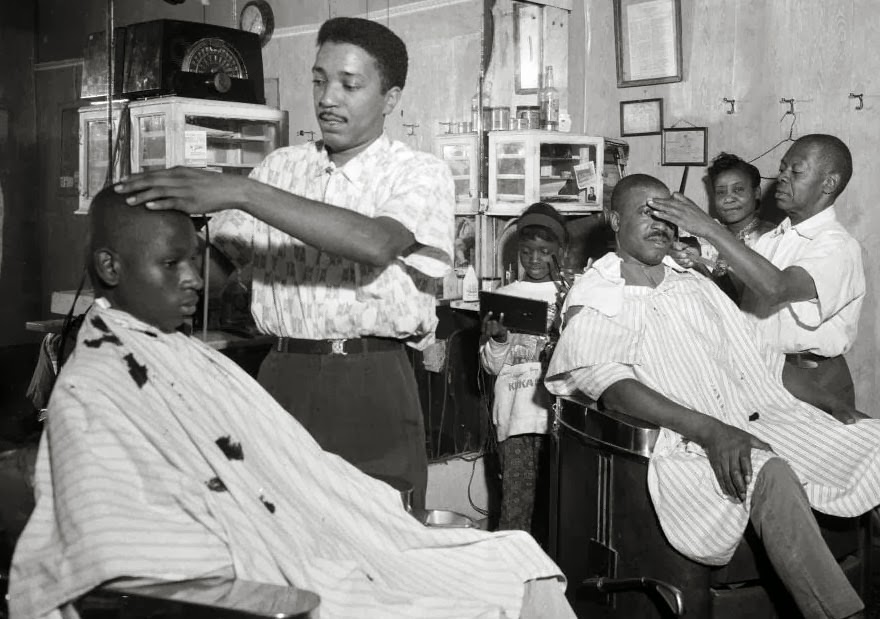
(521,402)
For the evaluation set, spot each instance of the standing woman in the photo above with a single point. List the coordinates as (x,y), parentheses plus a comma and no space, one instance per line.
(736,190)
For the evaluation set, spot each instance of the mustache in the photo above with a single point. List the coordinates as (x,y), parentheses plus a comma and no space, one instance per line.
(666,235)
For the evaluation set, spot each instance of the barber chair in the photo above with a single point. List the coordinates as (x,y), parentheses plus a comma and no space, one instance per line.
(210,598)
(605,536)
(217,598)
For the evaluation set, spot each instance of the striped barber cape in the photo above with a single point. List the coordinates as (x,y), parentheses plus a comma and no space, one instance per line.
(163,459)
(686,340)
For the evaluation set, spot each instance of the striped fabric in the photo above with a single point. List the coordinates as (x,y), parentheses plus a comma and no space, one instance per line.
(163,459)
(686,340)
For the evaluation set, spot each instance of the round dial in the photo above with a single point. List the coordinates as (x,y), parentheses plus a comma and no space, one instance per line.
(212,55)
(257,17)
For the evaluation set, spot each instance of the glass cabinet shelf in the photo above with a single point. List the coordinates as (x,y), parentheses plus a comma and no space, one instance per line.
(223,136)
(461,154)
(569,171)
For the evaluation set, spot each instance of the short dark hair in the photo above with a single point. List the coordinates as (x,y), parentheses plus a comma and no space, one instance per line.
(835,156)
(632,182)
(542,221)
(386,48)
(727,161)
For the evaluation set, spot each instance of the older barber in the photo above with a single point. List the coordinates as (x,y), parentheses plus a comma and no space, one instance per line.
(347,237)
(804,280)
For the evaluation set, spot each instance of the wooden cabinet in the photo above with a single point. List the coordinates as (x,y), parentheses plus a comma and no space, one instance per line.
(223,136)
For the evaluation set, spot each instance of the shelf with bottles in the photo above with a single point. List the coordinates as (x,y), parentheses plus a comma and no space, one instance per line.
(569,171)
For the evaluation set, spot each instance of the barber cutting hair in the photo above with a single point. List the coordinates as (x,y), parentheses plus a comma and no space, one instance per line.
(804,281)
(346,236)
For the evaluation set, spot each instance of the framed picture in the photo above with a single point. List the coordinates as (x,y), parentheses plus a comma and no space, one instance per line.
(685,146)
(648,41)
(528,42)
(641,117)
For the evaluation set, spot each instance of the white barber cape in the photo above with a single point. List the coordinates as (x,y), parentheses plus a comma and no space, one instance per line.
(686,340)
(163,459)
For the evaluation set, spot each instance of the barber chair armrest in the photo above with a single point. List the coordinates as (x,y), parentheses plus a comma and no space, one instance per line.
(214,598)
(611,428)
(670,594)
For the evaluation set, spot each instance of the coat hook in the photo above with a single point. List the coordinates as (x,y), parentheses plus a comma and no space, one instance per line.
(732,104)
(790,105)
(310,133)
(861,103)
(411,127)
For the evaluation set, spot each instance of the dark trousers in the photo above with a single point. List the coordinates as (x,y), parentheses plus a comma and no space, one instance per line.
(524,486)
(785,523)
(363,407)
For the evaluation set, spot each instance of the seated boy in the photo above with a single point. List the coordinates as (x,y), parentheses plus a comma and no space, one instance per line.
(163,459)
(660,343)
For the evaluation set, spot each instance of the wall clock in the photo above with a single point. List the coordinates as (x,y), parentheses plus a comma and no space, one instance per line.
(257,17)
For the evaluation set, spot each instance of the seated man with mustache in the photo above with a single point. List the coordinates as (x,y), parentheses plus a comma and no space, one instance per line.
(162,459)
(661,343)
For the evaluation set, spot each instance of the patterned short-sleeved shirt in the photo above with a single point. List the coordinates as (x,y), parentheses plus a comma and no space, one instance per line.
(301,291)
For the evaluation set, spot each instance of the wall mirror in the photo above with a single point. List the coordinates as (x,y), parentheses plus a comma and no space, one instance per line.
(528,45)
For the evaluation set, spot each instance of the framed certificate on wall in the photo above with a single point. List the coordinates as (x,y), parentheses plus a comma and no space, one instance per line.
(641,117)
(685,146)
(648,41)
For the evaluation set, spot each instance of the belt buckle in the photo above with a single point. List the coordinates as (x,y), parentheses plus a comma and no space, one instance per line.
(337,347)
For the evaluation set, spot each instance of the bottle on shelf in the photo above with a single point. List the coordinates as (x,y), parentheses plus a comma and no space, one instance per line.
(476,106)
(471,285)
(549,99)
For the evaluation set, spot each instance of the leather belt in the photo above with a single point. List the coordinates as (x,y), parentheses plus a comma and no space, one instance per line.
(355,346)
(806,360)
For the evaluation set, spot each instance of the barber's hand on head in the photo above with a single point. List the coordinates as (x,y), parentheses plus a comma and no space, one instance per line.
(682,212)
(184,189)
(729,450)
(494,328)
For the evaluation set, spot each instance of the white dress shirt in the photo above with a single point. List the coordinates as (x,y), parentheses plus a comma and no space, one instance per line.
(826,325)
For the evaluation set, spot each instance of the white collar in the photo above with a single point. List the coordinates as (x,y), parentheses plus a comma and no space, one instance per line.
(601,286)
(810,227)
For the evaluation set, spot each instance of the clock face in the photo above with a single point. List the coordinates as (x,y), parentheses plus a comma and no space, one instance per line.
(252,20)
(257,17)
